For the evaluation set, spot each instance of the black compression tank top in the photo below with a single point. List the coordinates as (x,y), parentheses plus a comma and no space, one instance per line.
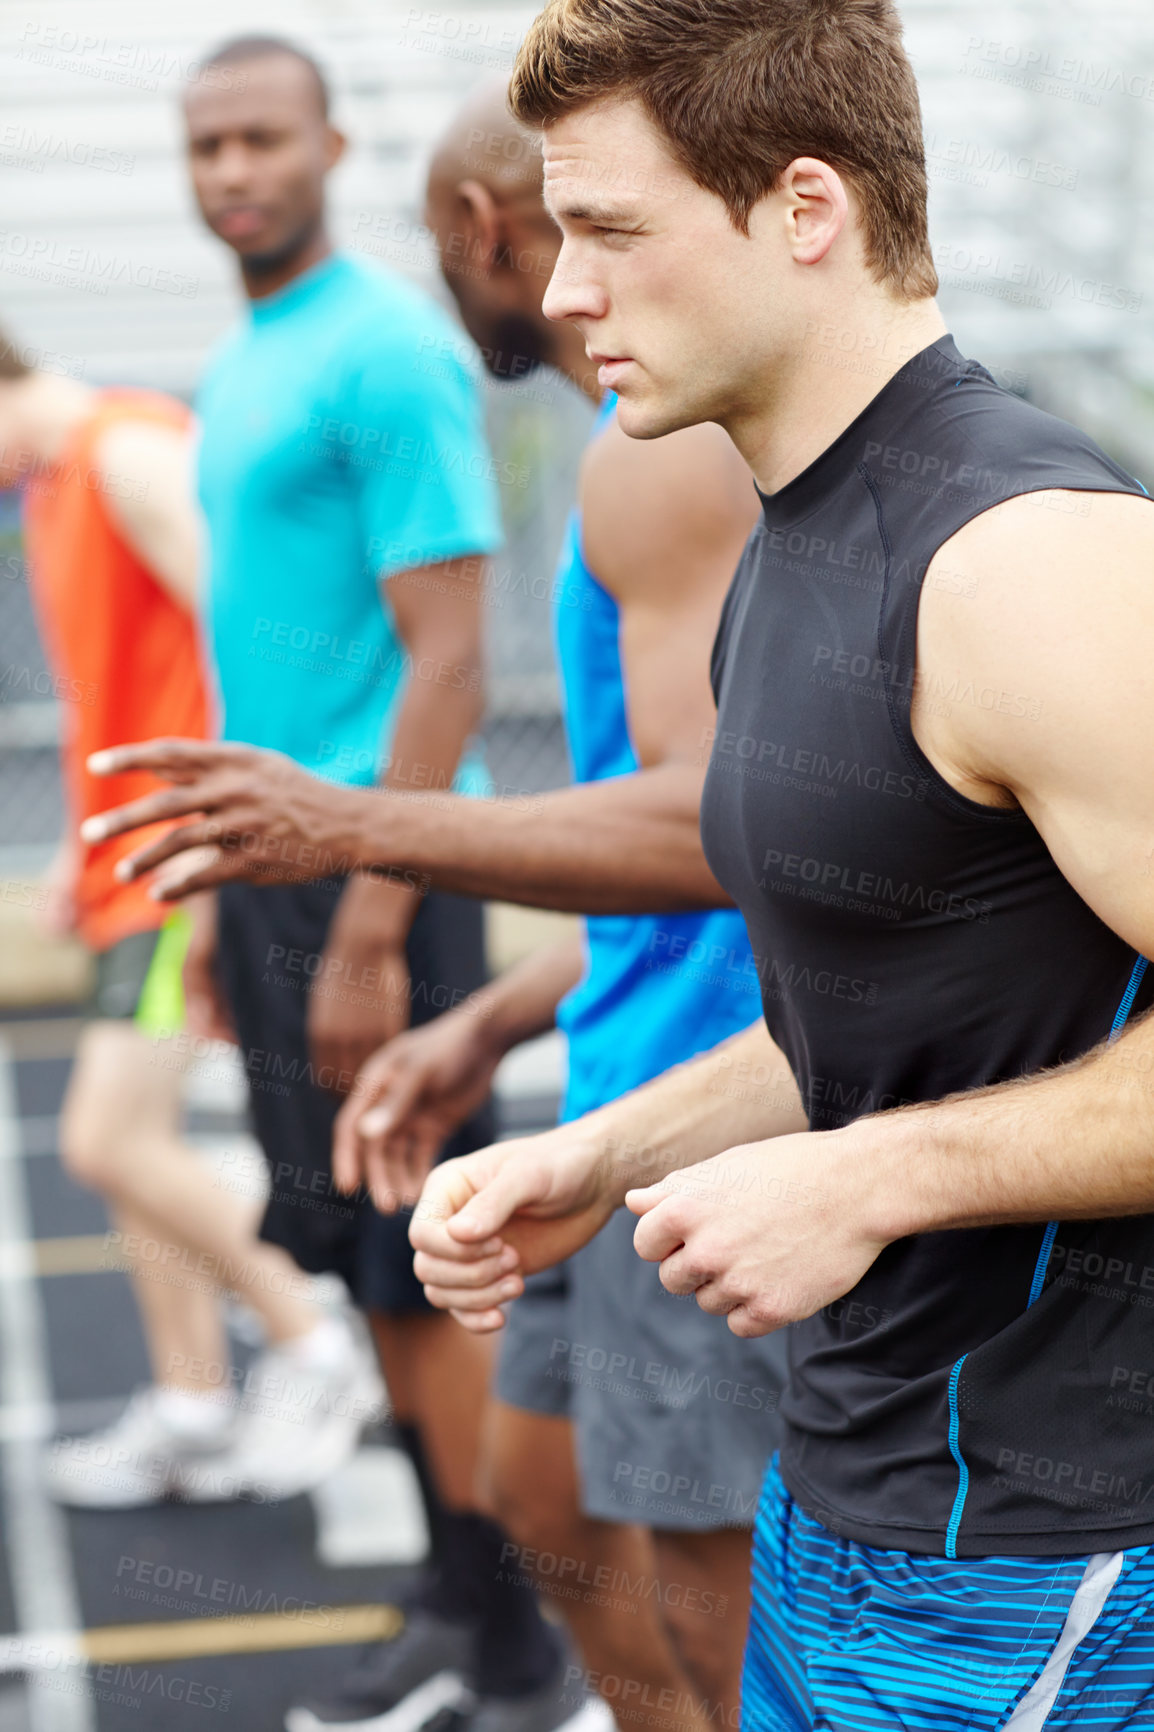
(973,1395)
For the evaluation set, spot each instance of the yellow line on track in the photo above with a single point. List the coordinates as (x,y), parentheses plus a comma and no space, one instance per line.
(83,1254)
(260,1633)
(43,1037)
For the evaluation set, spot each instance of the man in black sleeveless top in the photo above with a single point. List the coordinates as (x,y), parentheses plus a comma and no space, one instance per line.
(928,793)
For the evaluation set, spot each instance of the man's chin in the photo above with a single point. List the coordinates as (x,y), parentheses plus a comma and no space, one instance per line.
(262,255)
(644,416)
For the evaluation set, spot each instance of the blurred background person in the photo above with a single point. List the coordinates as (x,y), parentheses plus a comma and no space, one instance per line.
(350,502)
(111,534)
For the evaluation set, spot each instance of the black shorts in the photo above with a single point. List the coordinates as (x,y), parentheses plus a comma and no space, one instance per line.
(268,938)
(139,978)
(118,978)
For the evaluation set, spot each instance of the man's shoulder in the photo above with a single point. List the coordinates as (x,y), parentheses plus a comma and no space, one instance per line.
(1031,537)
(130,433)
(967,441)
(143,401)
(221,359)
(387,315)
(662,502)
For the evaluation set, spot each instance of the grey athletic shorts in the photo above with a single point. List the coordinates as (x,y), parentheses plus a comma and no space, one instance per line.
(675,1417)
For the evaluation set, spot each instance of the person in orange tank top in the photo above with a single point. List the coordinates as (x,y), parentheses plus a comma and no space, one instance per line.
(111,536)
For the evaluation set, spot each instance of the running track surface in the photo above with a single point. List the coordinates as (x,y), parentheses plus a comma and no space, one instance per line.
(170,1619)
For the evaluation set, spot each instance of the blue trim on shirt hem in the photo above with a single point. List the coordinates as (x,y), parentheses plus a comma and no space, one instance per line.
(963,1470)
(1119,1023)
(1128,997)
(1043,1262)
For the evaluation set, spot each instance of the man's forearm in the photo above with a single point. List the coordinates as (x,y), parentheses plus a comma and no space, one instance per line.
(1073,1144)
(433,728)
(741,1091)
(626,846)
(521,1003)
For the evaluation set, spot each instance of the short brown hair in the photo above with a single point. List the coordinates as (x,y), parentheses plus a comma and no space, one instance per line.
(742,87)
(12,362)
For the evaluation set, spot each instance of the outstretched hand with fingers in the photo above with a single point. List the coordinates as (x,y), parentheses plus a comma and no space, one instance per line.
(238,812)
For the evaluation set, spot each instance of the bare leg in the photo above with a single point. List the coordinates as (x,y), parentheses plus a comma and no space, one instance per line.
(183,1325)
(709,1613)
(608,1594)
(438,1379)
(119,1135)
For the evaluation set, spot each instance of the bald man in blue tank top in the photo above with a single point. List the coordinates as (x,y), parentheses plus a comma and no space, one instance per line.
(629,1432)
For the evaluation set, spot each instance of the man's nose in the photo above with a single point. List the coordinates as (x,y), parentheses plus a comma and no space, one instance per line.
(233,164)
(570,293)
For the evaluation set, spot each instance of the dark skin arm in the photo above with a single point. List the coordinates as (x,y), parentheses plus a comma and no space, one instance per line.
(627,846)
(665,526)
(361,995)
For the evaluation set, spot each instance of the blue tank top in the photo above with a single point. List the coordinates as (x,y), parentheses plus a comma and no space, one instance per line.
(657,988)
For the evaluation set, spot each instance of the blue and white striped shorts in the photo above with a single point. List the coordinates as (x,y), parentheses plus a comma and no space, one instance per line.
(846,1638)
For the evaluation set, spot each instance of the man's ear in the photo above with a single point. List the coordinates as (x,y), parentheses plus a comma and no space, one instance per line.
(817,208)
(479,218)
(335,146)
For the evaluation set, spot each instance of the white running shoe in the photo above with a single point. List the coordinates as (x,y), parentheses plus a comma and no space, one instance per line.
(139,1459)
(298,1422)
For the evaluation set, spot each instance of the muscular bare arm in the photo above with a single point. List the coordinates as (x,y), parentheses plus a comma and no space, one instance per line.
(664,528)
(1058,610)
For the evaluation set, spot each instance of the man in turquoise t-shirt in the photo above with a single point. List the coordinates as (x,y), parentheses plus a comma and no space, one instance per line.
(351,501)
(333,472)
